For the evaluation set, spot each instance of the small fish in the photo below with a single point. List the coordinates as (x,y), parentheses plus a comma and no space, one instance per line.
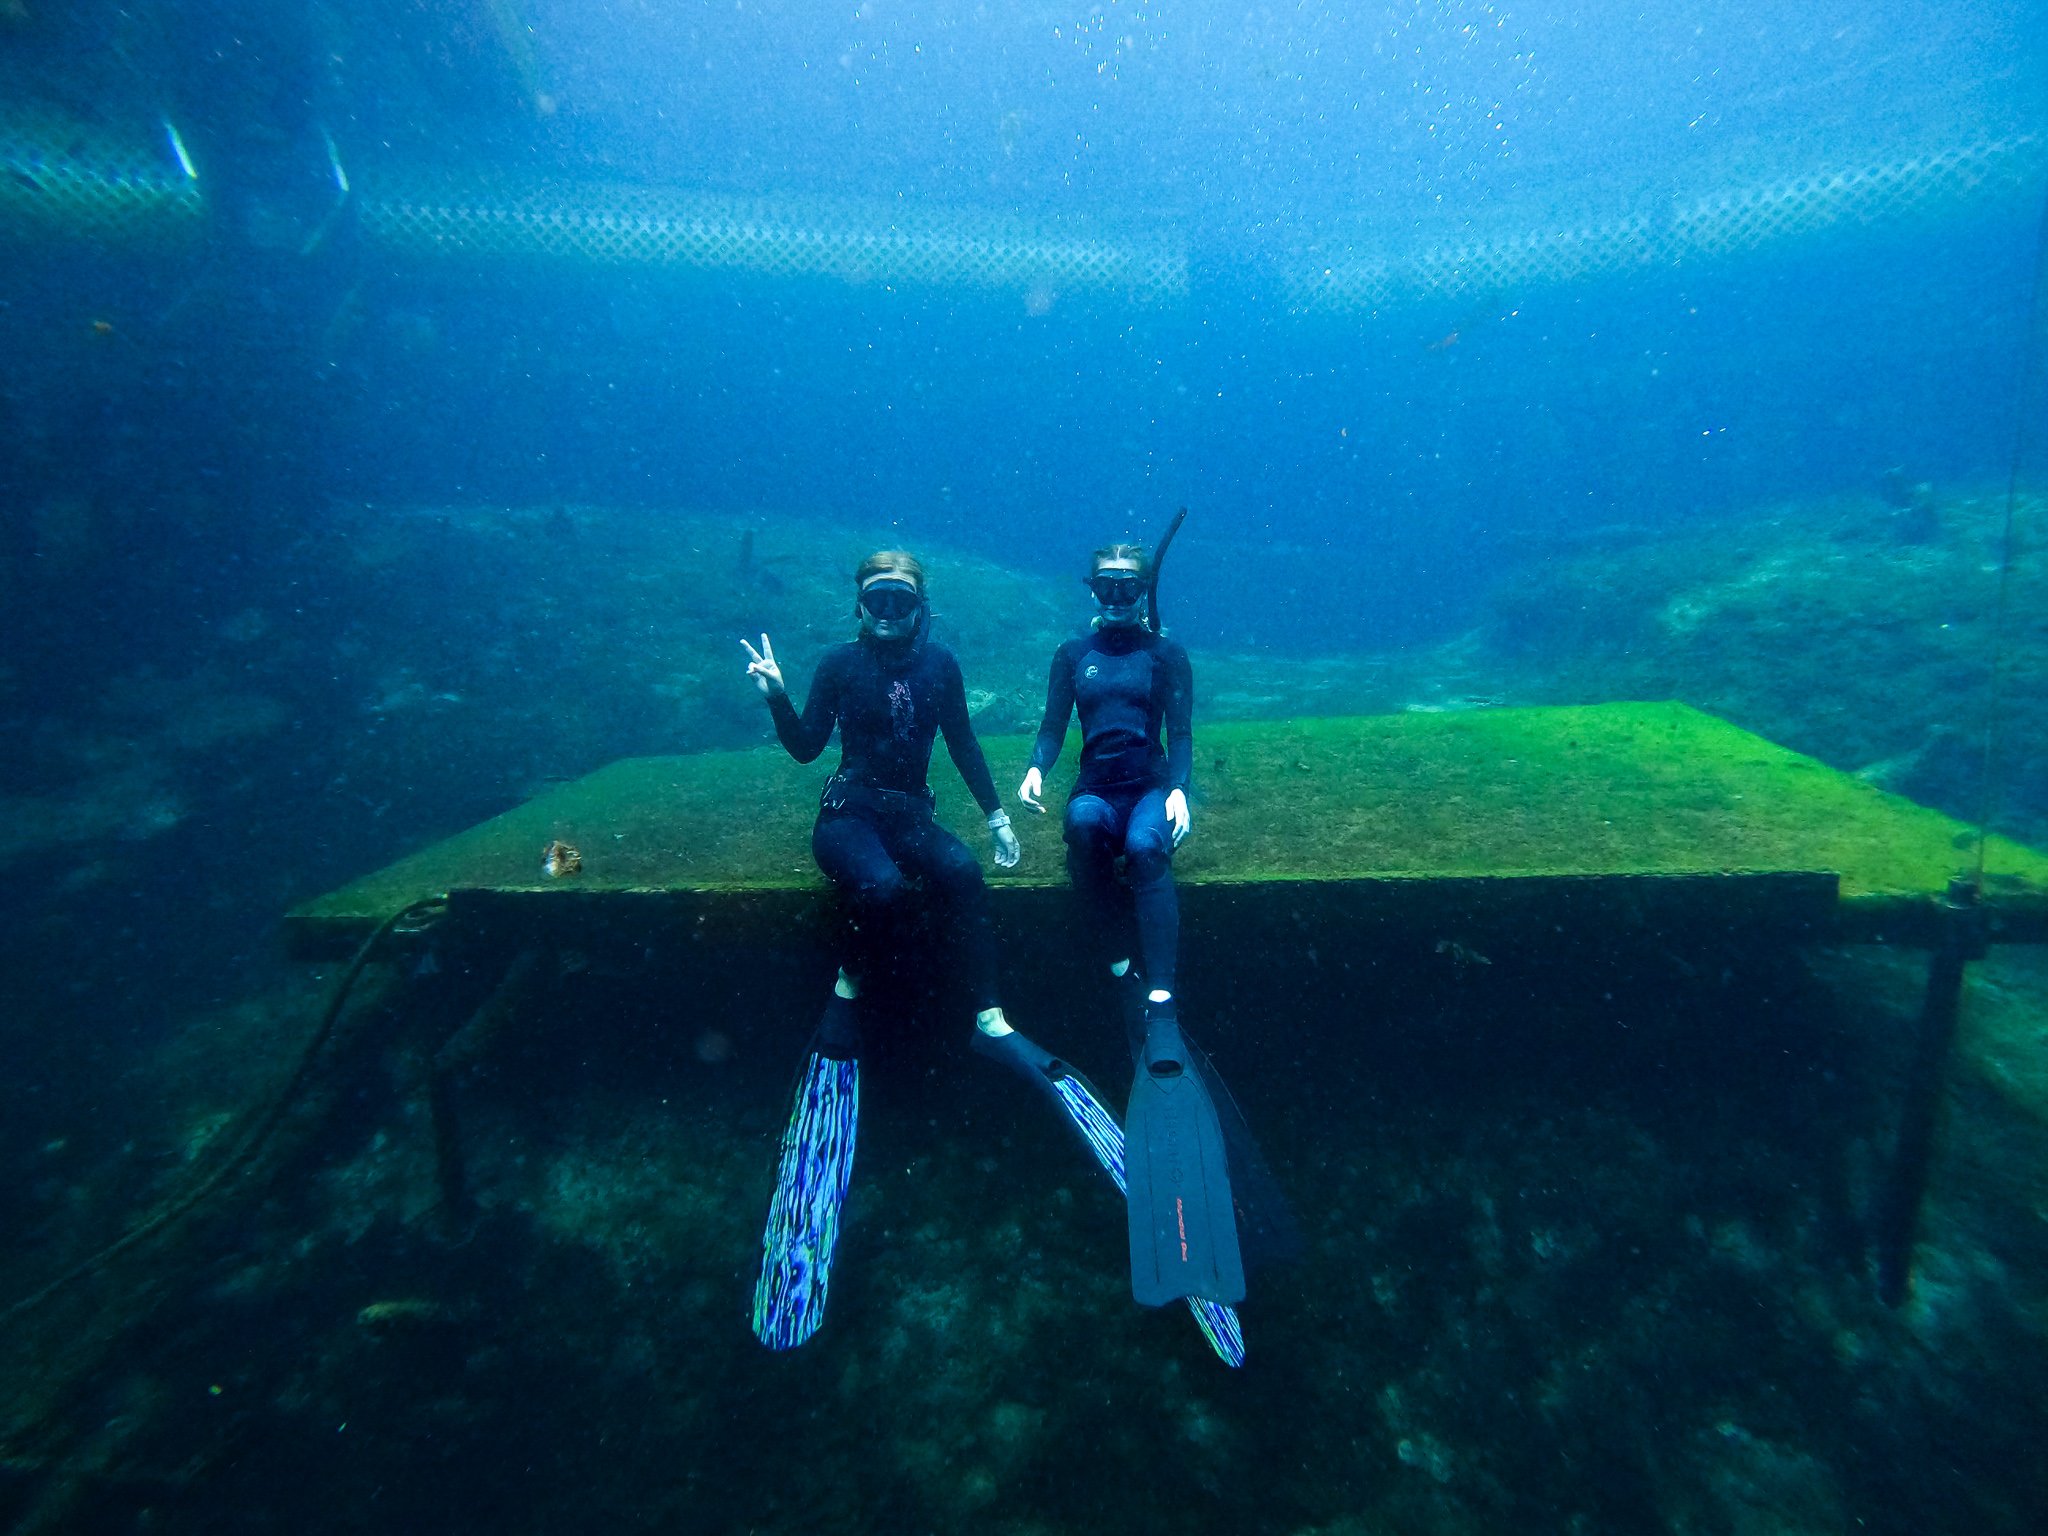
(1460,955)
(559,859)
(407,1315)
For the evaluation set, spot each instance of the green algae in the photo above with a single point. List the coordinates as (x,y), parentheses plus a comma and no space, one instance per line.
(1598,791)
(1615,789)
(1816,624)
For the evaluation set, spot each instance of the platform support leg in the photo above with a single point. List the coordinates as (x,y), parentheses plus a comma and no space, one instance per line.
(451,1177)
(456,1211)
(1961,940)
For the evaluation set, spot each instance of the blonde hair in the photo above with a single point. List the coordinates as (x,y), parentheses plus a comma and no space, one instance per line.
(900,563)
(1110,552)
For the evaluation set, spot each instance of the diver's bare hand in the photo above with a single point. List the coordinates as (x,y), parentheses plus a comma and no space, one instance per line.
(1177,816)
(1030,790)
(1007,850)
(762,669)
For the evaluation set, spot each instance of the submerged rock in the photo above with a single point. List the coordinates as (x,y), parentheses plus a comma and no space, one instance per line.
(409,1315)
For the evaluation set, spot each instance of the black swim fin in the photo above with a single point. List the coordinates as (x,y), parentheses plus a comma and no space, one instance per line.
(1079,1102)
(1183,1227)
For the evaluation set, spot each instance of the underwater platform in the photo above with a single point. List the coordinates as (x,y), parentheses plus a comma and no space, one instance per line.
(1475,826)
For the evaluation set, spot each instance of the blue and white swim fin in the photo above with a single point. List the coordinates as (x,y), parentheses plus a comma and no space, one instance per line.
(810,1187)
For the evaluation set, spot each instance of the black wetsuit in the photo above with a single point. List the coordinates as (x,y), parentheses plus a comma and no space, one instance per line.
(875,831)
(1126,683)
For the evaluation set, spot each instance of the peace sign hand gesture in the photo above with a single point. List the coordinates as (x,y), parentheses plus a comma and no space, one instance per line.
(762,669)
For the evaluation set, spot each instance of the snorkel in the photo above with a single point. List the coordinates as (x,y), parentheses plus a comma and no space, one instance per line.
(1152,572)
(1125,582)
(1116,581)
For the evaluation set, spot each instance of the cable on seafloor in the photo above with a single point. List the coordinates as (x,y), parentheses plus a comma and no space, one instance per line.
(261,1125)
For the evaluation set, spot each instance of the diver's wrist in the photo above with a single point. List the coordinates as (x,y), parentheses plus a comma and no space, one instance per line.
(998,819)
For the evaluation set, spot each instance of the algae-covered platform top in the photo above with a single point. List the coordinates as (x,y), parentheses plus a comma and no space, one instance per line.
(1509,800)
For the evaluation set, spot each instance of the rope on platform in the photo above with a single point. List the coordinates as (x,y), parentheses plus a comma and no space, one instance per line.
(261,1125)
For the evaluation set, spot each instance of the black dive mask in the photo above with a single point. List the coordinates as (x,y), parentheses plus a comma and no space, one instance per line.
(1117,589)
(891,601)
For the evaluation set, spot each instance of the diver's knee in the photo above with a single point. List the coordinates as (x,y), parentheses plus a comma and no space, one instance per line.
(1090,826)
(1148,853)
(959,879)
(880,895)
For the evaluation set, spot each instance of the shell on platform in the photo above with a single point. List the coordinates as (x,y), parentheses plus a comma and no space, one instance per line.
(559,859)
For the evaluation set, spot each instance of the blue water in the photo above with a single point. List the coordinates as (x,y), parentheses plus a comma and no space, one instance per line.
(319,546)
(1262,142)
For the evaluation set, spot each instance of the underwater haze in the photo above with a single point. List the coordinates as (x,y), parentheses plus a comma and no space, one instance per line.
(406,408)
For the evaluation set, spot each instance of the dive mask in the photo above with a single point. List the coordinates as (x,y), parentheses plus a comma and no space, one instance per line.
(890,600)
(1116,589)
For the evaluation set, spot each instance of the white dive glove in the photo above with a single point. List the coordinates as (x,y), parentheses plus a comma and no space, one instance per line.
(1007,851)
(1177,815)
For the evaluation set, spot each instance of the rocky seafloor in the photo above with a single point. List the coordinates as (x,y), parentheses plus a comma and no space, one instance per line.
(1588,1233)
